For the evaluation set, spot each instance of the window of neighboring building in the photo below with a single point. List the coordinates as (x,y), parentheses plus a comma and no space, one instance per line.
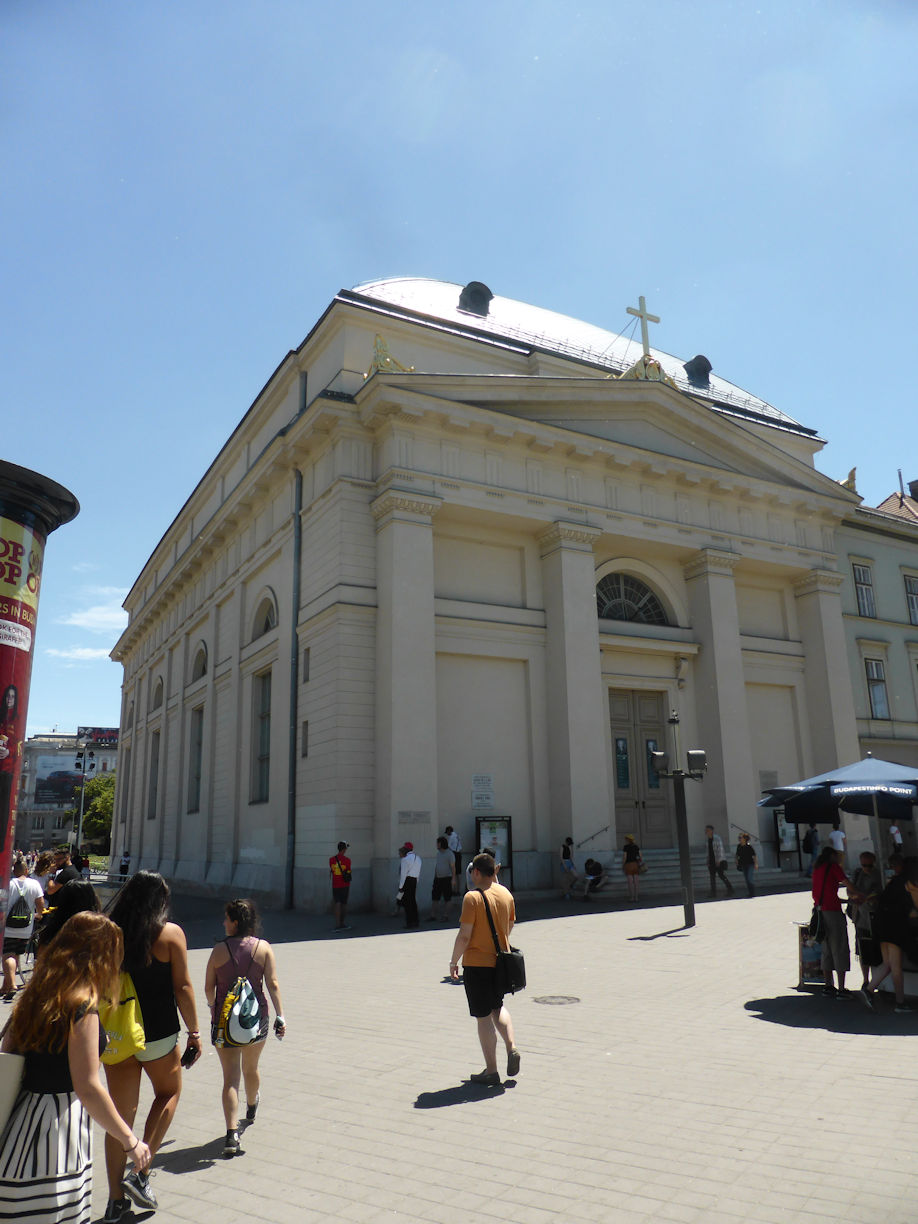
(199,667)
(911,598)
(623,597)
(261,737)
(876,688)
(125,781)
(38,821)
(62,821)
(863,587)
(153,783)
(195,757)
(265,618)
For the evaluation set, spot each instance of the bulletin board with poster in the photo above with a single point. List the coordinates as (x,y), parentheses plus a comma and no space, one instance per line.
(494,833)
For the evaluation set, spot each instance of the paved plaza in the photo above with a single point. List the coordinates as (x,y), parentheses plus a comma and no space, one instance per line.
(666,1075)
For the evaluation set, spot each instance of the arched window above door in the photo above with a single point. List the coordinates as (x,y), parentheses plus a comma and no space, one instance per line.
(265,618)
(199,667)
(623,597)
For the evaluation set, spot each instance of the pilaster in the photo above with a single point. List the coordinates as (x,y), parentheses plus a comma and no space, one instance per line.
(577,757)
(829,694)
(406,706)
(730,792)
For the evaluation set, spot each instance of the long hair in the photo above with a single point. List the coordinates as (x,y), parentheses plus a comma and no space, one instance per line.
(243,912)
(142,910)
(77,973)
(76,897)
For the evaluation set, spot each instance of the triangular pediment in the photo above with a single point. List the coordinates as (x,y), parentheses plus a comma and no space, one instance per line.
(647,419)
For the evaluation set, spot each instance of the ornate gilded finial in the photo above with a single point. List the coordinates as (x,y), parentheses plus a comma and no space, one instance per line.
(641,313)
(383,362)
(647,369)
(851,483)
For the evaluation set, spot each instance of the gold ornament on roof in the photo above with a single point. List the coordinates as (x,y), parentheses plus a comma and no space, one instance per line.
(851,482)
(648,369)
(383,362)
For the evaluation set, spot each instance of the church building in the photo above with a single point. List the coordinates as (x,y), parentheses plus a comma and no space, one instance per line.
(464,555)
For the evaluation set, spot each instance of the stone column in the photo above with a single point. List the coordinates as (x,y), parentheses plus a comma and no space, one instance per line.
(730,786)
(577,723)
(406,689)
(829,695)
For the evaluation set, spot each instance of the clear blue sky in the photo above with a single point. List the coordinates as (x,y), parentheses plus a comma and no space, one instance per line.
(186,186)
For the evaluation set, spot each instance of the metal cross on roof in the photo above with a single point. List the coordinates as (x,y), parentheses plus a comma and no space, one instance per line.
(645,318)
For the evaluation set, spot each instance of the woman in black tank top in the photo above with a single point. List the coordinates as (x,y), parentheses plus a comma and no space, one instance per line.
(156,956)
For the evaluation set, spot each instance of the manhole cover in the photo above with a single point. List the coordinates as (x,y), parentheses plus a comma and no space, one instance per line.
(556,1000)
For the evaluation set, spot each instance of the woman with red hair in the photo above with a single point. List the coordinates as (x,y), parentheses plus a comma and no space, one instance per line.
(46,1145)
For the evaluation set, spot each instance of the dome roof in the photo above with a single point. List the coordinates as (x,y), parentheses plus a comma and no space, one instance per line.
(534,327)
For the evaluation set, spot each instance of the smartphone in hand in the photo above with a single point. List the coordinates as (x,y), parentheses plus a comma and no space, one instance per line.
(188,1057)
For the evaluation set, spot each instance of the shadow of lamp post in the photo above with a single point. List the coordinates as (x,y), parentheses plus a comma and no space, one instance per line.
(696,763)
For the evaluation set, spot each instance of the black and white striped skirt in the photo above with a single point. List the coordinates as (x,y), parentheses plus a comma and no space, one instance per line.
(46,1160)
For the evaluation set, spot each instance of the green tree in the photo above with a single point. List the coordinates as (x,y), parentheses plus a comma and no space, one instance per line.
(98,806)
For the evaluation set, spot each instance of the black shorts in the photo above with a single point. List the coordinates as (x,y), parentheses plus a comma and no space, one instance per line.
(340,895)
(481,990)
(14,947)
(442,888)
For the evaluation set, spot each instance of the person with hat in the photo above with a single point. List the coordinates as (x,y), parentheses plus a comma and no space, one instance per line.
(339,867)
(408,875)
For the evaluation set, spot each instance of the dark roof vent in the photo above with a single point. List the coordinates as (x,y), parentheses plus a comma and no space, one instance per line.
(913,489)
(698,370)
(475,298)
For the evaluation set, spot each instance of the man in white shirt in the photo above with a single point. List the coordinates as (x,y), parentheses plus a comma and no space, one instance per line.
(27,899)
(837,839)
(408,883)
(895,837)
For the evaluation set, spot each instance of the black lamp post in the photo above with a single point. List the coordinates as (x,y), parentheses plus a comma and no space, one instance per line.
(696,760)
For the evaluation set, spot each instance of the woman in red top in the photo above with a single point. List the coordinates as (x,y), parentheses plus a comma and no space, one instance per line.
(828,878)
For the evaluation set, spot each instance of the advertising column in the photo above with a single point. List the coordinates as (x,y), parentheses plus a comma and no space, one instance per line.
(31,507)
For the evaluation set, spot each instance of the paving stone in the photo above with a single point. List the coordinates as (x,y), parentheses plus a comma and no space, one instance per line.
(692,1082)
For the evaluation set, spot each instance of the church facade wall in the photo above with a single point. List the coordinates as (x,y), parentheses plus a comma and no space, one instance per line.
(451,537)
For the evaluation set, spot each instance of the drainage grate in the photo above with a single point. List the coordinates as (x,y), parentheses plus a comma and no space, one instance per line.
(556,1000)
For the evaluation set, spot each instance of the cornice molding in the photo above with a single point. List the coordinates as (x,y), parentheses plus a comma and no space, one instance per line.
(405,505)
(711,561)
(576,536)
(818,581)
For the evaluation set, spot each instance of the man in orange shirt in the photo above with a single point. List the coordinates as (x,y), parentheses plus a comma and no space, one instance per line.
(475,945)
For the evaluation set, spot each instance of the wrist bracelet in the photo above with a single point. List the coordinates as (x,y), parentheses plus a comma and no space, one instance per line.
(127,1151)
(193,1033)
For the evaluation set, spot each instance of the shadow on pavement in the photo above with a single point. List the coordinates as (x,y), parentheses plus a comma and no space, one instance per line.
(191,1159)
(461,1094)
(812,1011)
(675,932)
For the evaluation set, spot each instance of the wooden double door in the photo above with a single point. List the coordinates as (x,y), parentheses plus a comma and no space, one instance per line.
(643,801)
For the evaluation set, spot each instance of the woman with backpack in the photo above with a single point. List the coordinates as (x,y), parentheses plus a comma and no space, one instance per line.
(240,968)
(156,957)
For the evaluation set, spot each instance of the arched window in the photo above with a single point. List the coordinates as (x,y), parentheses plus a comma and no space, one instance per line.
(265,618)
(623,597)
(157,700)
(199,667)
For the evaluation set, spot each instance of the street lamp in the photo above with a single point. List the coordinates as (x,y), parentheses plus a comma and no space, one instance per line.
(85,763)
(697,762)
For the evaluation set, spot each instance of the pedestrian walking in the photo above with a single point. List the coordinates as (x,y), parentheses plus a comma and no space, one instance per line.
(717,860)
(632,862)
(409,873)
(26,901)
(747,862)
(242,952)
(444,883)
(46,1145)
(475,947)
(810,846)
(339,868)
(156,956)
(569,876)
(454,841)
